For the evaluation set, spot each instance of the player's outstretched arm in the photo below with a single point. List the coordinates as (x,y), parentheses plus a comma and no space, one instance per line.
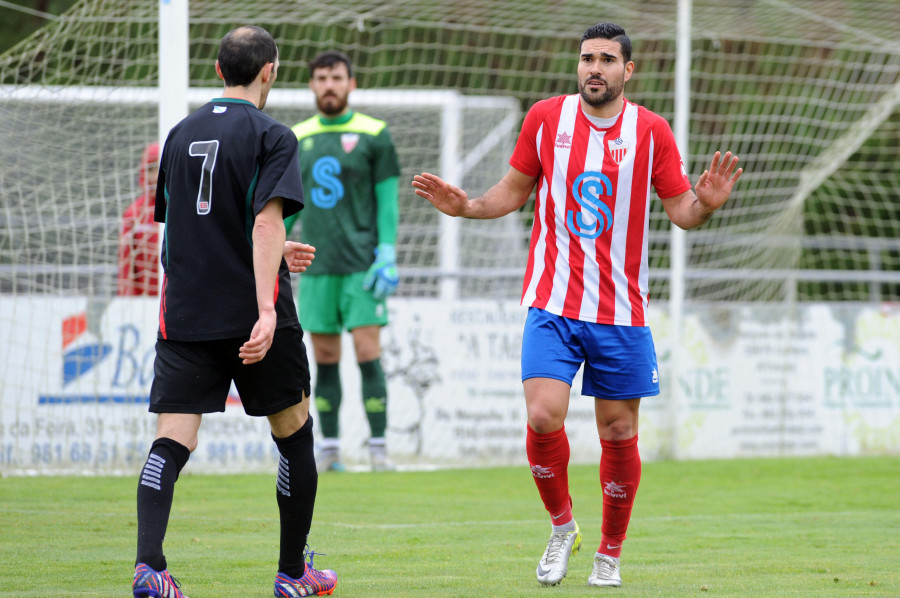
(694,207)
(298,256)
(508,195)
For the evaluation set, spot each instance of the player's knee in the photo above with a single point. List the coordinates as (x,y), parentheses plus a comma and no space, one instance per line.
(617,429)
(192,444)
(544,421)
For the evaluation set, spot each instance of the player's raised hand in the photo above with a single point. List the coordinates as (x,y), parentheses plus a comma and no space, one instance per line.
(260,338)
(447,198)
(714,185)
(298,255)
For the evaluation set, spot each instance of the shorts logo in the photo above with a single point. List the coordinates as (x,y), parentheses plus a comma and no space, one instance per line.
(654,376)
(587,191)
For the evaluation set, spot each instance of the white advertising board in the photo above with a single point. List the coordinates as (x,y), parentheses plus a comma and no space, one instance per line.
(745,381)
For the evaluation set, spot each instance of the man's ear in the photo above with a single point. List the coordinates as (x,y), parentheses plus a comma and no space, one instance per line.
(219,71)
(266,72)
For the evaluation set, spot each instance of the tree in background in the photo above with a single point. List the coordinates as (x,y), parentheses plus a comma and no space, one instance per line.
(20,19)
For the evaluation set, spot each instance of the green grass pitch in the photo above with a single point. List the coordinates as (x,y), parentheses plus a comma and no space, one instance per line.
(762,527)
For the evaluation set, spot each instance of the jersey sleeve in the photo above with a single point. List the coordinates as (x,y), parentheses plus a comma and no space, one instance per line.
(159,208)
(525,157)
(279,172)
(385,164)
(668,177)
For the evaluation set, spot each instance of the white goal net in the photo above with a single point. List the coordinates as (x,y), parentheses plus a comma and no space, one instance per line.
(806,92)
(466,138)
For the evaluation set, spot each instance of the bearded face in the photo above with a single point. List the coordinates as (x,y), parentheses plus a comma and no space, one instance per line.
(332,87)
(600,92)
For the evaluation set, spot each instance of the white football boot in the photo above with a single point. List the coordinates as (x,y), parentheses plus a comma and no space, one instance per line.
(555,563)
(605,572)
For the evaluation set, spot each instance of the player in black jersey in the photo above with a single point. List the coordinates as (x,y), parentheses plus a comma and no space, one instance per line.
(228,177)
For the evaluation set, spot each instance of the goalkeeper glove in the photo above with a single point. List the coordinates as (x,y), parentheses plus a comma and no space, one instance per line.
(381,277)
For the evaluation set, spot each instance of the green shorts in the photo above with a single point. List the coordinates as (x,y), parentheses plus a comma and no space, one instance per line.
(330,303)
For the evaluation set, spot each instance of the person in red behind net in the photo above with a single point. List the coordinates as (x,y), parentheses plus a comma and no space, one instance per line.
(139,239)
(594,157)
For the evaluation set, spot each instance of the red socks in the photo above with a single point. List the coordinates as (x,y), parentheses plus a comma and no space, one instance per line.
(620,475)
(548,455)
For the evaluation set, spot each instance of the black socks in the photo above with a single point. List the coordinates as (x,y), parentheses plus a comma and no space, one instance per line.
(154,498)
(296,494)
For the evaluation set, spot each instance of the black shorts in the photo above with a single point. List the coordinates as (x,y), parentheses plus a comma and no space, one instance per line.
(195,376)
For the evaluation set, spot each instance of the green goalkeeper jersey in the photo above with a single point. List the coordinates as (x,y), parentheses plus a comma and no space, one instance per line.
(341,161)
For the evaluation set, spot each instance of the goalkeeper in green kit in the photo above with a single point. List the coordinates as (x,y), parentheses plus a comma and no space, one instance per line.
(350,172)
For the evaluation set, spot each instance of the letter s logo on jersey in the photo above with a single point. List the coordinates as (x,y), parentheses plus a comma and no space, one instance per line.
(586,190)
(327,188)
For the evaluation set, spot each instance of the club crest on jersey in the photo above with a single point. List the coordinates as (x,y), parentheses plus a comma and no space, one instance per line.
(349,141)
(617,149)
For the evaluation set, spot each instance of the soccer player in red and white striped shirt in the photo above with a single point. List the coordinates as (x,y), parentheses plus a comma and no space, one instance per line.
(593,157)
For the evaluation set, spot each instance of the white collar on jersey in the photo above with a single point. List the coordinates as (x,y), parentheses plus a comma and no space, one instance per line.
(602,123)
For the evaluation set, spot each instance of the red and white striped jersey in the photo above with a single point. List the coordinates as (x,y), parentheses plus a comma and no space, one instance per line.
(588,258)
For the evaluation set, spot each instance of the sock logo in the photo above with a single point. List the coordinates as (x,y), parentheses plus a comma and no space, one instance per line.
(152,474)
(539,471)
(615,490)
(283,484)
(376,405)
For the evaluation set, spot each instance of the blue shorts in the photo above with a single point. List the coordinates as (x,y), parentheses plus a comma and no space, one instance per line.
(619,361)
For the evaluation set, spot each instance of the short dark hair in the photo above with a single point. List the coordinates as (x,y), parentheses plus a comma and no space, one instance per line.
(327,60)
(610,31)
(243,52)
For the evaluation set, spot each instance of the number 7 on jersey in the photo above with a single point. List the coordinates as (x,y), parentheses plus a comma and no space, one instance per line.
(209,150)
